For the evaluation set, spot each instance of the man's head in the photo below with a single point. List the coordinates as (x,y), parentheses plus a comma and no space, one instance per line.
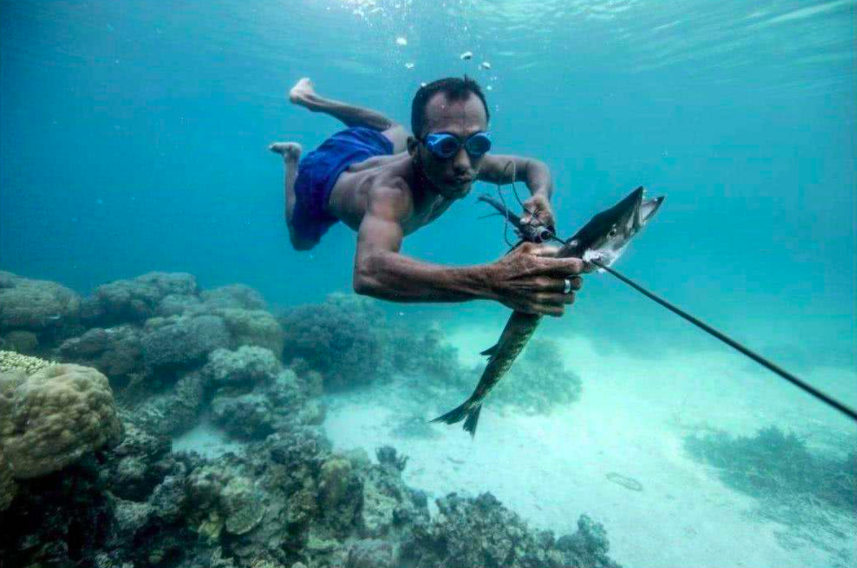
(455,107)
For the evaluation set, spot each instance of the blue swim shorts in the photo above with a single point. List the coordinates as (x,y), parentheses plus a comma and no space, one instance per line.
(319,170)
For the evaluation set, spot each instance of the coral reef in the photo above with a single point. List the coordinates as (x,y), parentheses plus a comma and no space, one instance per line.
(11,361)
(539,381)
(175,410)
(425,354)
(51,416)
(34,305)
(84,483)
(481,532)
(237,296)
(8,487)
(54,416)
(349,326)
(812,494)
(248,365)
(775,464)
(181,341)
(138,299)
(115,351)
(348,341)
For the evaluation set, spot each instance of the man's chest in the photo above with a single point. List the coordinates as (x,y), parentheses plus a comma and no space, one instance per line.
(425,213)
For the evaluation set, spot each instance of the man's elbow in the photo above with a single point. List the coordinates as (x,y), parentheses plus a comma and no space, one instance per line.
(363,285)
(365,281)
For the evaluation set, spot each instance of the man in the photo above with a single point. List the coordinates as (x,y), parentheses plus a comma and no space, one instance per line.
(385,184)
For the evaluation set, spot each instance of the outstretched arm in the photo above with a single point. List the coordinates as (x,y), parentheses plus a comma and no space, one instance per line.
(527,279)
(504,169)
(381,271)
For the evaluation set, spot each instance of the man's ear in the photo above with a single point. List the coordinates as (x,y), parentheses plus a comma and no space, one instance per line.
(413,146)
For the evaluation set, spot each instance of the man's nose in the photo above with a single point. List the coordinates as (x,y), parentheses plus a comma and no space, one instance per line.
(461,162)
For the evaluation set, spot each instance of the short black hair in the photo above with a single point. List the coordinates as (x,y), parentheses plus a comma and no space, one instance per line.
(454,88)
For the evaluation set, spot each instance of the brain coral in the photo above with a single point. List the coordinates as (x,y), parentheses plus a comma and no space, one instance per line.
(51,418)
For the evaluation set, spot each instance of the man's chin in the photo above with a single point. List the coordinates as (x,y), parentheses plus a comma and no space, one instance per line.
(456,191)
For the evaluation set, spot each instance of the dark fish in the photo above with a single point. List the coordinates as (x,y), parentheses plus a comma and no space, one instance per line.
(603,239)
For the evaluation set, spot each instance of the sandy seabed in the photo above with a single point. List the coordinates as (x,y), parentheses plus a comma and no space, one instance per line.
(627,427)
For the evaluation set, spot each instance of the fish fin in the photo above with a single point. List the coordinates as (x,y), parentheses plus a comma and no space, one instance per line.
(455,415)
(491,350)
(468,412)
(472,419)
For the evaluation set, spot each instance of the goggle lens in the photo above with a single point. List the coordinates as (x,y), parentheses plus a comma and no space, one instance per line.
(448,147)
(445,145)
(478,144)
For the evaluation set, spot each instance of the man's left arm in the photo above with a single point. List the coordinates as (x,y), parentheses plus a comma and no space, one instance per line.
(503,169)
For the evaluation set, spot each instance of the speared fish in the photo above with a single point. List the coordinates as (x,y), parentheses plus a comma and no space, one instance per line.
(600,242)
(604,238)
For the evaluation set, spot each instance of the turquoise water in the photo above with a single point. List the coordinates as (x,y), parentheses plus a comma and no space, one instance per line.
(134,138)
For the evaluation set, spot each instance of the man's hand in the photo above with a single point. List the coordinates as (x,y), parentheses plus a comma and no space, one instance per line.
(531,279)
(538,209)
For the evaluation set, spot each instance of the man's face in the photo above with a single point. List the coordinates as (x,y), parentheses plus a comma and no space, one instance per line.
(451,177)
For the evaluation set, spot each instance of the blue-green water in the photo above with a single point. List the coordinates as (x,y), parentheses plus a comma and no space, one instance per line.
(134,138)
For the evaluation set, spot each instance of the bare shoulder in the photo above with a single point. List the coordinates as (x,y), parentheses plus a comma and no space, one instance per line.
(391,199)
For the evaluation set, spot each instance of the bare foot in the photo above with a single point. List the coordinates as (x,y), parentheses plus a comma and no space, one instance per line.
(289,150)
(302,93)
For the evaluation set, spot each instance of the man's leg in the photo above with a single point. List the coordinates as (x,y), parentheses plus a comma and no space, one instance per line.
(303,94)
(291,153)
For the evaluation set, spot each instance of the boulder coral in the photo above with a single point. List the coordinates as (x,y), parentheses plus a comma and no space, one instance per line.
(51,418)
(252,327)
(246,365)
(115,351)
(54,416)
(137,299)
(233,296)
(35,304)
(181,341)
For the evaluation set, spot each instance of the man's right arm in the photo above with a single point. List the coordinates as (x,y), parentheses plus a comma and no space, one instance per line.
(528,279)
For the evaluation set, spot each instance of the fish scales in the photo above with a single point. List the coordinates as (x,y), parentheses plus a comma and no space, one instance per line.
(604,238)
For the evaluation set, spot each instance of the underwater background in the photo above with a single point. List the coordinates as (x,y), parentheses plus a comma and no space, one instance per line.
(133,138)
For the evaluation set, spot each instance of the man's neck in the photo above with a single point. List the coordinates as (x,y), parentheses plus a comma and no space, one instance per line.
(427,190)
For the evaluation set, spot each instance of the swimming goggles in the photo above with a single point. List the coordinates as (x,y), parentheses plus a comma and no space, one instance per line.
(444,145)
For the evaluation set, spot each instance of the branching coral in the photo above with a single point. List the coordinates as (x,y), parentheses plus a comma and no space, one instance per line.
(11,361)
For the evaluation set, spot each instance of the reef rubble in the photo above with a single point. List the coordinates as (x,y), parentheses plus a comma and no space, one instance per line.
(88,475)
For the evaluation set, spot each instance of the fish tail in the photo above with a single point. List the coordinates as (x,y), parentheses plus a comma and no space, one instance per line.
(469,412)
(472,419)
